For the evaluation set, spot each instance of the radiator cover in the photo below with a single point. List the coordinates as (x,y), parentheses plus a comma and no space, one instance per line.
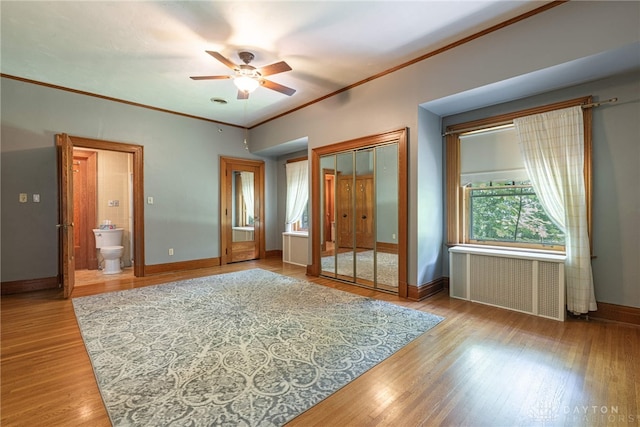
(529,282)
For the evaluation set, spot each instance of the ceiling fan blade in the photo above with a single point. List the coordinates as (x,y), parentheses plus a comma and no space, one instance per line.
(278,67)
(210,77)
(278,87)
(243,95)
(222,59)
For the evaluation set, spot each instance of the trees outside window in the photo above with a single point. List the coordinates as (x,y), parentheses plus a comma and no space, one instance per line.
(509,214)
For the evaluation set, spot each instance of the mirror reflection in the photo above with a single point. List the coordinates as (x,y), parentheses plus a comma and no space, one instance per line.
(242,210)
(359,205)
(364,220)
(387,190)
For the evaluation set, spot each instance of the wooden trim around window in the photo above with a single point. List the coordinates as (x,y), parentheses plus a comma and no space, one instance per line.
(297,159)
(454,197)
(452,142)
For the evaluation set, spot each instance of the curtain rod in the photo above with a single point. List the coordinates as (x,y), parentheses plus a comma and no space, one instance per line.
(510,122)
(599,103)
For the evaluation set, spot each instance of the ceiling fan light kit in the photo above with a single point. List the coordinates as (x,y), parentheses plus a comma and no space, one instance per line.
(246,84)
(247,78)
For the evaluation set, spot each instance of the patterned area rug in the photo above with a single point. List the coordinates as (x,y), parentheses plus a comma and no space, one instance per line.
(386,270)
(251,348)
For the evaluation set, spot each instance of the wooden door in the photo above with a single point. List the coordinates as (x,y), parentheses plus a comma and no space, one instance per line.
(364,212)
(84,209)
(242,231)
(344,208)
(65,192)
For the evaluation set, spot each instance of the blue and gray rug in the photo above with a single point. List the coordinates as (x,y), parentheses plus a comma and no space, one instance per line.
(251,348)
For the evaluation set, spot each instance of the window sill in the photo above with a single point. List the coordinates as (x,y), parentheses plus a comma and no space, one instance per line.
(521,253)
(296,233)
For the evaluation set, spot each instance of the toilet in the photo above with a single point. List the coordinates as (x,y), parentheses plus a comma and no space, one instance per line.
(109,242)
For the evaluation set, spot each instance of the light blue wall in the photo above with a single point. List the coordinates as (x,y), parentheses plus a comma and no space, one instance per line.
(181,163)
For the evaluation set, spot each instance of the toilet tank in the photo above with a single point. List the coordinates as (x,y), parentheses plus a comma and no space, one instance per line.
(109,237)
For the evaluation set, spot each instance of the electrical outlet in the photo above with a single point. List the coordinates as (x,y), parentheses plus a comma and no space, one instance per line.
(170,251)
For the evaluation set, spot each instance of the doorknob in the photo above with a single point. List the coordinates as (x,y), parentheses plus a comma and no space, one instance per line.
(344,215)
(364,217)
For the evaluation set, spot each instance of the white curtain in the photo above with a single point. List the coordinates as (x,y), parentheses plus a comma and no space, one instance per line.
(552,145)
(247,191)
(297,190)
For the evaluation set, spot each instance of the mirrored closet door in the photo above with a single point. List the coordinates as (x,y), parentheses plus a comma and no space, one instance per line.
(360,199)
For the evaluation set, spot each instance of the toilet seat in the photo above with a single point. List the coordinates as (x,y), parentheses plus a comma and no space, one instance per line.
(110,249)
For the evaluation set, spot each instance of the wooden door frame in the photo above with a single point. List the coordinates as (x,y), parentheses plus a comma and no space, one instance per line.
(138,191)
(400,136)
(225,208)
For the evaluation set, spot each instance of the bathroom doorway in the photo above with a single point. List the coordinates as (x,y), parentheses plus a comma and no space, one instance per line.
(102,194)
(70,230)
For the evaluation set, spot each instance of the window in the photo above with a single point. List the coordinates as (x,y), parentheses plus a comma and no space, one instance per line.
(303,223)
(489,198)
(297,215)
(508,215)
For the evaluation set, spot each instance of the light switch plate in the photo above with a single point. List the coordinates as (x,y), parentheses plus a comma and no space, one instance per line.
(23,198)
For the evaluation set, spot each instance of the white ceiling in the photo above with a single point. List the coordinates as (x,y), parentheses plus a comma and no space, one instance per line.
(144,52)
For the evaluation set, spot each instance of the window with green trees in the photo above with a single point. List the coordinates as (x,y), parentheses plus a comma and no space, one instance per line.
(509,214)
(488,197)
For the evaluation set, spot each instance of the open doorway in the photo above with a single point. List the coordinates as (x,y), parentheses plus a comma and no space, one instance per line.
(242,234)
(77,232)
(102,203)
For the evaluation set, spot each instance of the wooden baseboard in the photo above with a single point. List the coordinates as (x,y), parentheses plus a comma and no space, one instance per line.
(20,286)
(389,248)
(418,293)
(617,313)
(276,253)
(180,266)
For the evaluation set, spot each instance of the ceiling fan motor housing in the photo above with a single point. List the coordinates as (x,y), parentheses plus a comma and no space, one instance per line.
(246,57)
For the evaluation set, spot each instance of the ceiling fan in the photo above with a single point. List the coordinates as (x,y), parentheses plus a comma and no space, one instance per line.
(247,77)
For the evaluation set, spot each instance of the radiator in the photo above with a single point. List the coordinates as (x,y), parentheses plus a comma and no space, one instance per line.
(529,282)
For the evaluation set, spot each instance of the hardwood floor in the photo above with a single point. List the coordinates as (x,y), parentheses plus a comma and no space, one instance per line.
(482,366)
